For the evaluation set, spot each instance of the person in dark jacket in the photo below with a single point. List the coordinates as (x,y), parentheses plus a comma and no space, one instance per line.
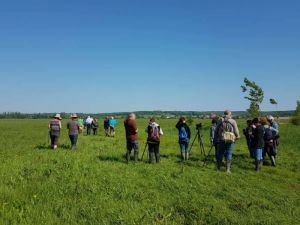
(248,134)
(74,128)
(131,137)
(184,138)
(54,130)
(154,132)
(258,143)
(106,126)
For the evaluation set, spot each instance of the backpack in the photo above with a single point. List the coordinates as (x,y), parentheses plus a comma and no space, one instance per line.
(183,135)
(227,130)
(154,133)
(268,135)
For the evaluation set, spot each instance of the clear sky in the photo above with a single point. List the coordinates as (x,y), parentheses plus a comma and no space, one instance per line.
(130,55)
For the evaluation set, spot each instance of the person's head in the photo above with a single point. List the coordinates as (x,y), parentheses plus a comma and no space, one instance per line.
(152,120)
(74,117)
(228,113)
(182,119)
(57,117)
(249,122)
(214,119)
(264,121)
(271,119)
(112,118)
(255,121)
(132,116)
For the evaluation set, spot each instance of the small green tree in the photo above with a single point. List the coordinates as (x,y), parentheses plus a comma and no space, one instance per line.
(296,117)
(275,102)
(255,96)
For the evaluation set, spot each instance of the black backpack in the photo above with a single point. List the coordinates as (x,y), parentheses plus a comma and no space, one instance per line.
(269,135)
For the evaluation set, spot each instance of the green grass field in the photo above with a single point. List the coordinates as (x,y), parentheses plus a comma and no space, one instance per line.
(94,185)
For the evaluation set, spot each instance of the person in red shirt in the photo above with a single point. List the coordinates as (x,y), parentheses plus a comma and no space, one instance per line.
(131,137)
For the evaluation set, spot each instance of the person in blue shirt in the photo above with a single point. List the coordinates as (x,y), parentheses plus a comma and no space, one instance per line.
(112,126)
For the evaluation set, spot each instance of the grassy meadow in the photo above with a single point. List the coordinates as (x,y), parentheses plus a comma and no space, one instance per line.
(94,185)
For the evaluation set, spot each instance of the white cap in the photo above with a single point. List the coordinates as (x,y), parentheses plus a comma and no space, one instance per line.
(271,118)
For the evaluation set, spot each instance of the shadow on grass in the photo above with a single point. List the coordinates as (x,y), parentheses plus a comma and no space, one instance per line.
(118,159)
(48,147)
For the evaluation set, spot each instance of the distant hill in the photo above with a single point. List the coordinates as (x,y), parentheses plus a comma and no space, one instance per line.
(142,114)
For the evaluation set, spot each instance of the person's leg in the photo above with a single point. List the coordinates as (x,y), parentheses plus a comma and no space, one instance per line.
(151,152)
(220,154)
(182,151)
(55,142)
(75,139)
(228,153)
(52,141)
(136,151)
(187,151)
(157,155)
(128,153)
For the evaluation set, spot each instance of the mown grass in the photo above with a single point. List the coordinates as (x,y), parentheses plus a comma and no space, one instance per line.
(94,185)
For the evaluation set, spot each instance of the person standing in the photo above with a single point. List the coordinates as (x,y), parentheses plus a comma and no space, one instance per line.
(258,143)
(81,125)
(112,127)
(184,138)
(154,132)
(74,128)
(106,126)
(270,134)
(248,135)
(88,124)
(226,134)
(131,137)
(54,130)
(95,126)
(213,127)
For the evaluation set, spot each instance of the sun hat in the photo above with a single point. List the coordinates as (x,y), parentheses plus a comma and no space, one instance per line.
(74,115)
(57,116)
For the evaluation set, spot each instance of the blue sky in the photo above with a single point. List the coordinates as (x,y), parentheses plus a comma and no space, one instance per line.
(130,55)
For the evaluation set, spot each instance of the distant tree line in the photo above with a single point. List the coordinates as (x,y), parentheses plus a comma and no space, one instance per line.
(142,114)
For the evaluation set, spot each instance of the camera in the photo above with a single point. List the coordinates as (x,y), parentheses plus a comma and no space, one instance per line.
(199,126)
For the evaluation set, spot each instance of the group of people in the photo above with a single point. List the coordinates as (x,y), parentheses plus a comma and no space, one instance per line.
(262,136)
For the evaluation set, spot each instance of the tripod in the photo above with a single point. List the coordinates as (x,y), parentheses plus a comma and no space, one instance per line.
(208,155)
(200,141)
(144,151)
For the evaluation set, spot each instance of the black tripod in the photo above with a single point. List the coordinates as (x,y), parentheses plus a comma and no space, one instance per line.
(200,141)
(144,151)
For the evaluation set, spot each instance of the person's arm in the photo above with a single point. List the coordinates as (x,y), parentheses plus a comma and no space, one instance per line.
(161,131)
(178,125)
(188,131)
(60,126)
(236,131)
(147,129)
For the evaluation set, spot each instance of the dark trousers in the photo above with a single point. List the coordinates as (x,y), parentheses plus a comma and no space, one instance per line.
(88,129)
(54,139)
(154,150)
(73,139)
(95,131)
(135,146)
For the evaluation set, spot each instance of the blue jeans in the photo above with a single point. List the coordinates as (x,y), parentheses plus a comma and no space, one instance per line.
(184,147)
(259,154)
(224,149)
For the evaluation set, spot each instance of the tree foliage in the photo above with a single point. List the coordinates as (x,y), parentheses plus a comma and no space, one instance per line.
(273,101)
(255,95)
(296,117)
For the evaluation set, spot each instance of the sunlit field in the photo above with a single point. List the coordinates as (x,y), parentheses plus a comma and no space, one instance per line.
(94,185)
